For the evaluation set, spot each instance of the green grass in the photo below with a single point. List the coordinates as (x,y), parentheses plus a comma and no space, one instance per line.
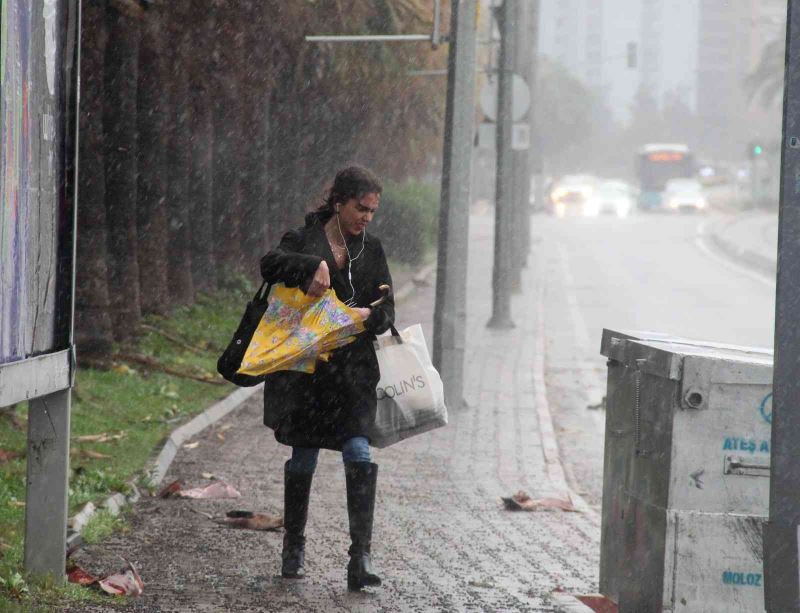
(140,406)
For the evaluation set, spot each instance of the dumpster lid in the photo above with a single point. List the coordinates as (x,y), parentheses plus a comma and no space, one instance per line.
(664,355)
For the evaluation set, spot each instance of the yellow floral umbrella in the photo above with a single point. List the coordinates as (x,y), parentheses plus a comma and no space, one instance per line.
(297,330)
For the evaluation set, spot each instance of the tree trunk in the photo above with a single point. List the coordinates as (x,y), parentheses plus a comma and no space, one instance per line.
(227,117)
(151,159)
(93,334)
(255,94)
(202,151)
(179,157)
(119,122)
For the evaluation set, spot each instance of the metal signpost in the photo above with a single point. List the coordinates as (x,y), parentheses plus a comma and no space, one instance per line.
(781,532)
(38,129)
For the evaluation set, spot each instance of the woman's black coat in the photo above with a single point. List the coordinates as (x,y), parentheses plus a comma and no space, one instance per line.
(337,401)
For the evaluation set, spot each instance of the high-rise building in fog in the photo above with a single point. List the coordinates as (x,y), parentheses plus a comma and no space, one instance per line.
(731,37)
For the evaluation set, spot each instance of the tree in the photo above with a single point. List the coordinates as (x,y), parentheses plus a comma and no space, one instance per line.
(179,267)
(766,80)
(119,128)
(92,308)
(151,213)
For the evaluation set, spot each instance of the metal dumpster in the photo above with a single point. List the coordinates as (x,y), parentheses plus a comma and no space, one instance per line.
(686,474)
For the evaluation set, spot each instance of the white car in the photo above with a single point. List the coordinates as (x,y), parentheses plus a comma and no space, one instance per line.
(684,195)
(610,198)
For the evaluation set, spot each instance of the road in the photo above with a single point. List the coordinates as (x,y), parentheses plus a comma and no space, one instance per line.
(647,272)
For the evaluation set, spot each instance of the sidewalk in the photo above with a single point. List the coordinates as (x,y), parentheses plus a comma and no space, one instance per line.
(751,239)
(442,538)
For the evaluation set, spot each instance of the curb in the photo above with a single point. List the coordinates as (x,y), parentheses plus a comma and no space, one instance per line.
(746,257)
(159,467)
(552,456)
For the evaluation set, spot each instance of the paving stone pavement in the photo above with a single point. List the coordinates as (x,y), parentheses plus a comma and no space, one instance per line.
(442,540)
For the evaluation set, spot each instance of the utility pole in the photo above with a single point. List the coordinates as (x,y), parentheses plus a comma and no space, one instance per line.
(504,193)
(524,58)
(450,314)
(782,593)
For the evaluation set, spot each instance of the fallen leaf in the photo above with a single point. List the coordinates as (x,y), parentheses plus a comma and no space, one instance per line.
(221,436)
(123,369)
(6,455)
(76,574)
(191,445)
(217,490)
(126,582)
(521,501)
(252,521)
(172,488)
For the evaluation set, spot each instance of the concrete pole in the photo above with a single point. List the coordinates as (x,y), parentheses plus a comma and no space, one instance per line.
(781,532)
(450,311)
(504,243)
(523,66)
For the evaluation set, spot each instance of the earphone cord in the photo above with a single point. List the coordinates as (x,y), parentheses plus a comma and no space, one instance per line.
(352,301)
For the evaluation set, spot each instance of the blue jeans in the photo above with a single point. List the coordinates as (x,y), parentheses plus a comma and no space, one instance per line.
(304,459)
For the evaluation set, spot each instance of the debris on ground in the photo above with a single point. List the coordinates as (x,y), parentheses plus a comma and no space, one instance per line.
(126,582)
(75,574)
(248,520)
(88,454)
(171,489)
(521,501)
(191,445)
(209,476)
(6,455)
(217,490)
(103,437)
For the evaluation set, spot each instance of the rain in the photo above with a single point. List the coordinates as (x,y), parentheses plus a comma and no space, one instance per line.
(404,305)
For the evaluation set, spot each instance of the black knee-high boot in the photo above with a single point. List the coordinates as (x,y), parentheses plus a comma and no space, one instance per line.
(361,478)
(296,489)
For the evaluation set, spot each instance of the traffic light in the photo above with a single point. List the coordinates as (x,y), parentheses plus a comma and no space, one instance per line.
(754,150)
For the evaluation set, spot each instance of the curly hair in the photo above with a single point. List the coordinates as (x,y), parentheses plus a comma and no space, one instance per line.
(351,182)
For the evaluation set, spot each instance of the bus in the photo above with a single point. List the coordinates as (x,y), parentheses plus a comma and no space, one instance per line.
(656,164)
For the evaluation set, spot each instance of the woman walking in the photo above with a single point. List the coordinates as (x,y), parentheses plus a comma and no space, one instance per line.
(333,407)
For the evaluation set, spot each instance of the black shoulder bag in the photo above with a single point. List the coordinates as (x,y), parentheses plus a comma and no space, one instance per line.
(231,359)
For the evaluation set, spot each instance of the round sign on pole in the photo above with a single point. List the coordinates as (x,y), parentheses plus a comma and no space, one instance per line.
(520,98)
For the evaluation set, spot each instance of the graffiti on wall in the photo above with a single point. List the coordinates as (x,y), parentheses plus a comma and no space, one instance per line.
(29,170)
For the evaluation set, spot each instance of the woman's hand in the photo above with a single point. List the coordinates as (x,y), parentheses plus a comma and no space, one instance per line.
(363,312)
(321,281)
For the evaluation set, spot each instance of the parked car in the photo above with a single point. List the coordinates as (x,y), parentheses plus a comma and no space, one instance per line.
(612,197)
(684,195)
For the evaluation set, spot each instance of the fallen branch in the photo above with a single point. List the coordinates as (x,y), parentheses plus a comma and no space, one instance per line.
(153,364)
(174,339)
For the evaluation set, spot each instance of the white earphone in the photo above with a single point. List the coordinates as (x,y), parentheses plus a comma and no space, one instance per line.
(352,300)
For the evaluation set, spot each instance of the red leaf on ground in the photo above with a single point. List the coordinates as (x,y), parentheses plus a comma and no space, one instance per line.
(521,501)
(599,603)
(76,574)
(126,582)
(6,455)
(171,489)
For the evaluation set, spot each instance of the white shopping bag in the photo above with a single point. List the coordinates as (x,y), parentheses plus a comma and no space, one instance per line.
(410,391)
